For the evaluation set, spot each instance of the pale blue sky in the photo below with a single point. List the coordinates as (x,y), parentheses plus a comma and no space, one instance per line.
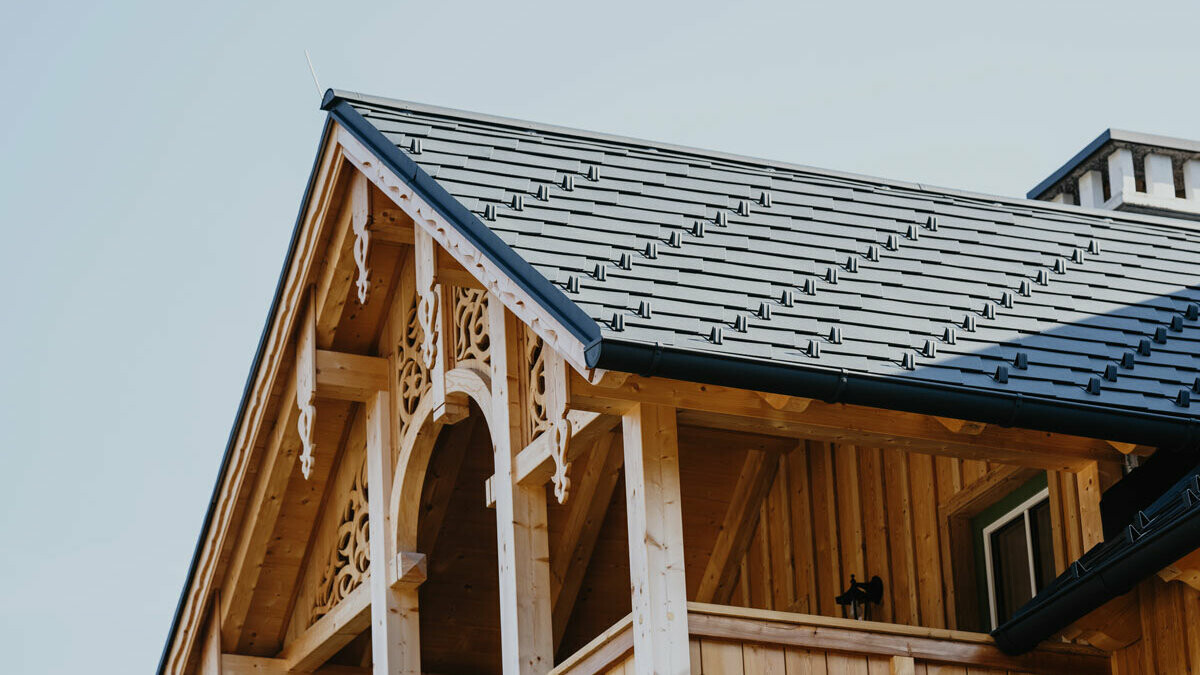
(153,159)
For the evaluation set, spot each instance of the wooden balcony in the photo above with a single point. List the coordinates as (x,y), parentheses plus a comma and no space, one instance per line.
(736,641)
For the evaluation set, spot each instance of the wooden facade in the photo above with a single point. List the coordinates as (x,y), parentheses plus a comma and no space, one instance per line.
(427,478)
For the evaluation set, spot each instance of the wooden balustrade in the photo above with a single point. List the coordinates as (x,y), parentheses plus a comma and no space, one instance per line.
(737,641)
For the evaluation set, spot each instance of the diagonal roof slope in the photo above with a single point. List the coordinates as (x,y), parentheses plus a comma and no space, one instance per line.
(744,272)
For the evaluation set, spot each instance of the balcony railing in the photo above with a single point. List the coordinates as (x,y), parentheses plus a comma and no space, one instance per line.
(737,641)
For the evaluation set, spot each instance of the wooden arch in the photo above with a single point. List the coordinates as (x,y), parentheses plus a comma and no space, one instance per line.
(416,449)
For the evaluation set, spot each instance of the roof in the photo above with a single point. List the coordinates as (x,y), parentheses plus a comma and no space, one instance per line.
(1111,136)
(762,267)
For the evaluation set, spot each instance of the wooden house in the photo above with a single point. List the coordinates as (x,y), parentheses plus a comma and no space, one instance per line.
(534,400)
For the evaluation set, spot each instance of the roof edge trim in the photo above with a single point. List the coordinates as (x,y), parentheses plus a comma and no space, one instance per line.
(549,296)
(880,391)
(247,389)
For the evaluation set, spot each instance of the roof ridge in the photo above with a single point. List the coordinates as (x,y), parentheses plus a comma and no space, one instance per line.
(332,96)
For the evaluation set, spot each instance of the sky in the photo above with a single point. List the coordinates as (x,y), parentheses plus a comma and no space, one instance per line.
(153,156)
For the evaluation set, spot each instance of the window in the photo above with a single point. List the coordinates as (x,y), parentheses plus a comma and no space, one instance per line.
(1015,549)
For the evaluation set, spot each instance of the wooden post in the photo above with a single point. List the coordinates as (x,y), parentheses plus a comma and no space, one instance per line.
(1087,481)
(656,565)
(527,636)
(395,626)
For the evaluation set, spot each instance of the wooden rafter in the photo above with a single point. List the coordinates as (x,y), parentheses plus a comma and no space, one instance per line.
(753,483)
(262,513)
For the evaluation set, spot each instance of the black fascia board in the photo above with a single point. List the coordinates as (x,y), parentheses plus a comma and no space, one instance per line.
(549,296)
(893,393)
(246,391)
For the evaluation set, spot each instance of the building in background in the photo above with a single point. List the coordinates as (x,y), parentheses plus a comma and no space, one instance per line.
(534,400)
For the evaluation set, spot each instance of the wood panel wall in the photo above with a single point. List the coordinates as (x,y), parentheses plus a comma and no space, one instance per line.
(718,657)
(833,511)
(1170,642)
(837,510)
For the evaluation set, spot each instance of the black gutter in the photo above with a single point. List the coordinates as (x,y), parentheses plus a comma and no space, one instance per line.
(246,390)
(513,266)
(915,396)
(1110,569)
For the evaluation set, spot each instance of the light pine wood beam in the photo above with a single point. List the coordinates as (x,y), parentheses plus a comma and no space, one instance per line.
(336,629)
(588,506)
(395,627)
(245,564)
(744,410)
(350,377)
(753,484)
(527,637)
(238,664)
(656,561)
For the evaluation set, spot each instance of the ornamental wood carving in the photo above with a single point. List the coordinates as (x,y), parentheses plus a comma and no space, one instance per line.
(362,240)
(535,361)
(472,345)
(427,311)
(411,373)
(350,558)
(306,387)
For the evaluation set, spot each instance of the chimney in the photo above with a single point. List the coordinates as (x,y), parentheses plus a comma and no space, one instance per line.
(1127,171)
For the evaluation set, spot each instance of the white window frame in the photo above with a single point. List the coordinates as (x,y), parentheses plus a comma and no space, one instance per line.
(1020,511)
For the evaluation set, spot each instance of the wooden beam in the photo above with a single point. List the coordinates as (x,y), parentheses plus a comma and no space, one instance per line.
(210,654)
(262,513)
(527,640)
(395,627)
(962,426)
(744,410)
(656,561)
(533,465)
(336,629)
(753,483)
(238,664)
(350,377)
(1186,570)
(592,494)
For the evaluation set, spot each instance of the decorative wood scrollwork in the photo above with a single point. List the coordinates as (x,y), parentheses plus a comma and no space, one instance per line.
(558,452)
(306,389)
(536,363)
(427,310)
(471,340)
(350,558)
(412,375)
(362,240)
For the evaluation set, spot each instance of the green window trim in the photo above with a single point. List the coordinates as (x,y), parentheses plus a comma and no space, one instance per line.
(986,517)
